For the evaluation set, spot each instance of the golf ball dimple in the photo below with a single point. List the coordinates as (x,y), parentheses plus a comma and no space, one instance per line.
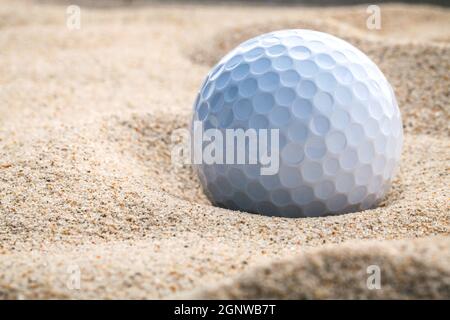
(339,125)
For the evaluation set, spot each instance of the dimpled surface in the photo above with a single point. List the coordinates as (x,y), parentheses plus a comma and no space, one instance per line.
(339,124)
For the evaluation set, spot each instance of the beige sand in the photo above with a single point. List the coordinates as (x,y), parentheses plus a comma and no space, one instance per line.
(87,186)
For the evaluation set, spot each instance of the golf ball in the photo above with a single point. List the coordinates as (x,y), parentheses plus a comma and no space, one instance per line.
(331,109)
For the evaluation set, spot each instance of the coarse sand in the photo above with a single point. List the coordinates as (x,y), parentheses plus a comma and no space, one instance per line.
(87,187)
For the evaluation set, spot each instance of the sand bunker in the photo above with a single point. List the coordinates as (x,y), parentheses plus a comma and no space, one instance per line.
(87,186)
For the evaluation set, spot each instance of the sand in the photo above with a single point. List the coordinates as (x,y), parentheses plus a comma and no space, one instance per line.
(91,206)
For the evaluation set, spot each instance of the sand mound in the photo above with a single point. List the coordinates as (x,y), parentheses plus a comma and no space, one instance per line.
(86,181)
(408,270)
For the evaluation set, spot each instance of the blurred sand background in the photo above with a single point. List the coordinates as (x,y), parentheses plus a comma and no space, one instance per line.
(87,186)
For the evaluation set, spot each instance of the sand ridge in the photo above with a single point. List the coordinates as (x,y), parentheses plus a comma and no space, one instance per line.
(338,272)
(85,175)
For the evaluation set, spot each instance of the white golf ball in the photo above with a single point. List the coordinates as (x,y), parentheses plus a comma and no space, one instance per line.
(339,126)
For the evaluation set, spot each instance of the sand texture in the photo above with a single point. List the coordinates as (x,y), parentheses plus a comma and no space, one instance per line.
(87,186)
